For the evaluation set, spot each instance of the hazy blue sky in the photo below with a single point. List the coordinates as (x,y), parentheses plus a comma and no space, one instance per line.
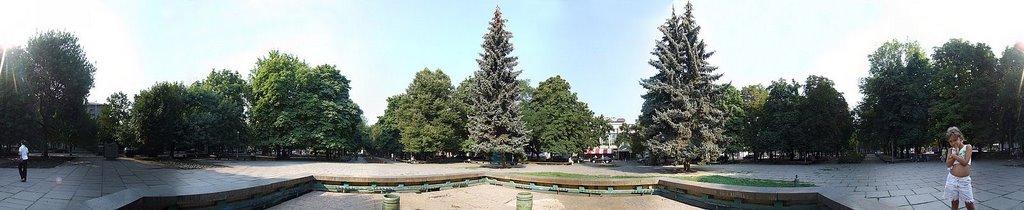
(600,47)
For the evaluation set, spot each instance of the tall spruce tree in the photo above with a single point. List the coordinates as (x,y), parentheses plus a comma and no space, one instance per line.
(680,115)
(496,126)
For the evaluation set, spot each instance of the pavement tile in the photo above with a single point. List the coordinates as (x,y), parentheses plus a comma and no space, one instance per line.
(877,194)
(1001,203)
(28,196)
(59,195)
(1019,195)
(935,205)
(900,192)
(894,201)
(16,203)
(920,199)
(981,195)
(925,190)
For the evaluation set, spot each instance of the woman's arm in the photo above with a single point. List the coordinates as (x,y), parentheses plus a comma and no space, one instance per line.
(949,159)
(965,160)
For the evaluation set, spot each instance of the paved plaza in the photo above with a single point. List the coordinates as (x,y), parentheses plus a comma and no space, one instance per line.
(478,197)
(905,185)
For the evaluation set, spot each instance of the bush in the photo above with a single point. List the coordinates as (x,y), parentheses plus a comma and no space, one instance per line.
(851,157)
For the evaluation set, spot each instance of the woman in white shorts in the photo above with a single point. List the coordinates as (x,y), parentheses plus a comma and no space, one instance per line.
(958,162)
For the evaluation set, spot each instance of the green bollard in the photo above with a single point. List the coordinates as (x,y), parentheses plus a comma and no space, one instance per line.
(524,201)
(390,201)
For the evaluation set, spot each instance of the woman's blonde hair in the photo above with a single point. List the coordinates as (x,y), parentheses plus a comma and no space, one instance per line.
(954,131)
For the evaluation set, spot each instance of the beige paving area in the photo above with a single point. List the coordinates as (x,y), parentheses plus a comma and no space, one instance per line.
(478,197)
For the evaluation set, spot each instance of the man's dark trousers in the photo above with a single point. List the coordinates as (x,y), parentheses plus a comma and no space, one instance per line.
(23,169)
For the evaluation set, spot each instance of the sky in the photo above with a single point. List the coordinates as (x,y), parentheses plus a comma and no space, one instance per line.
(601,47)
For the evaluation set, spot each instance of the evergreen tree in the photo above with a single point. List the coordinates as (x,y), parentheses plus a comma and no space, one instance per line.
(496,126)
(680,115)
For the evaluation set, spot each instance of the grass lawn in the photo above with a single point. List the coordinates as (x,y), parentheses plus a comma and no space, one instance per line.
(707,179)
(577,176)
(744,181)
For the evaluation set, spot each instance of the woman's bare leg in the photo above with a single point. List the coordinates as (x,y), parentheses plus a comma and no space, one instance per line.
(955,204)
(969,205)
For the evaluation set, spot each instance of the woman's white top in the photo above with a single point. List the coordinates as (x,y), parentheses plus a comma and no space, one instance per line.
(963,153)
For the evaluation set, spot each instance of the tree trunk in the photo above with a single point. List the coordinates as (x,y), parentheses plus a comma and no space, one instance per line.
(686,164)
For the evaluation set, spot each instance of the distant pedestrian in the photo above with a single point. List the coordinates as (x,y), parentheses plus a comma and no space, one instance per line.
(23,165)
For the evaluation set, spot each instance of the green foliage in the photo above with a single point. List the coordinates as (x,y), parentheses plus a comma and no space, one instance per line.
(1011,63)
(630,138)
(894,112)
(18,119)
(754,98)
(85,135)
(463,98)
(964,81)
(495,122)
(209,117)
(61,78)
(385,134)
(732,104)
(216,112)
(680,114)
(851,157)
(115,121)
(827,123)
(298,106)
(428,116)
(779,128)
(158,115)
(559,122)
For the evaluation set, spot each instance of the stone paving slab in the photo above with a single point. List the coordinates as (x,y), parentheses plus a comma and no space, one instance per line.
(1001,203)
(920,199)
(894,201)
(931,205)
